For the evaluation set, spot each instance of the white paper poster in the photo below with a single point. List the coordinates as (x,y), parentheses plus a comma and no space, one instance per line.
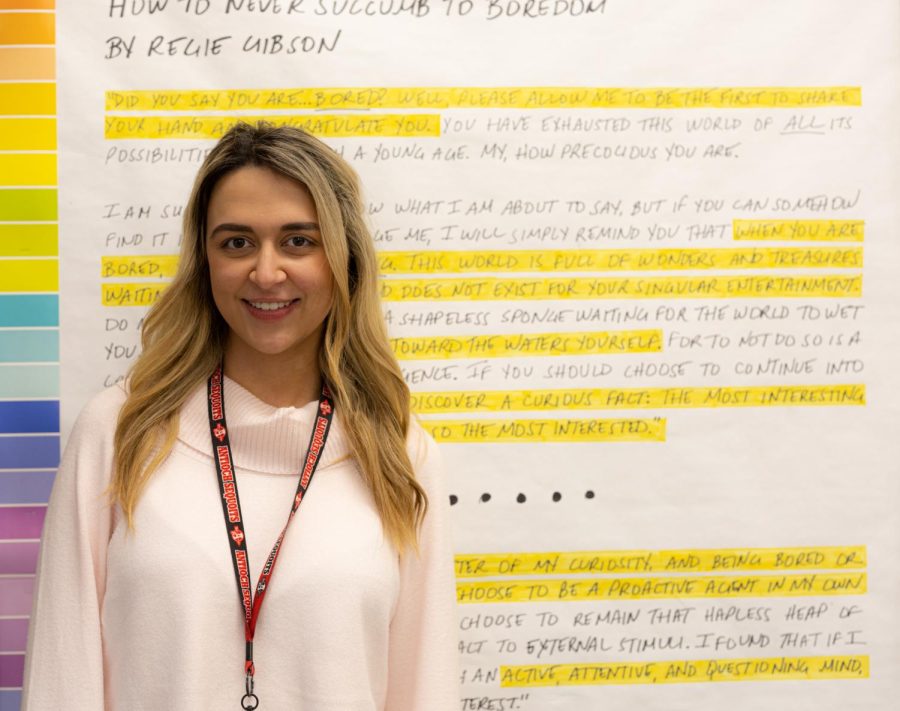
(639,267)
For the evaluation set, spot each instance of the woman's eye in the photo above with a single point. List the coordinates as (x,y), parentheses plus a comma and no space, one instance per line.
(298,241)
(235,243)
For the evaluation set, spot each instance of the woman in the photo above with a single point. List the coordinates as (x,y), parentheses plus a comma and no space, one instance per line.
(135,606)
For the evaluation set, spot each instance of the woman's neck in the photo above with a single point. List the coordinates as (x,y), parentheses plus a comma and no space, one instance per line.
(281,380)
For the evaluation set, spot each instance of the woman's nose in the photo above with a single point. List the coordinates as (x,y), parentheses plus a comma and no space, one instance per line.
(268,270)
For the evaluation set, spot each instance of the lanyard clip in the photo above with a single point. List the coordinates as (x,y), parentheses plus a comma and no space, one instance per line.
(249,701)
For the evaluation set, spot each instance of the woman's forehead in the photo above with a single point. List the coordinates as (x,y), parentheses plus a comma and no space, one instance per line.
(259,194)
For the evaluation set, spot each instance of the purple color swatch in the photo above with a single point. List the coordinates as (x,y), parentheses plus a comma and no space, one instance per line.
(13,635)
(26,487)
(22,521)
(18,558)
(15,595)
(12,668)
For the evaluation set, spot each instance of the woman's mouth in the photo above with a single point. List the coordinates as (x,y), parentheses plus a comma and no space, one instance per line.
(268,310)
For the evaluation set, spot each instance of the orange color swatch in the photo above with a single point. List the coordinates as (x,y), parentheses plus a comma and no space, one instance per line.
(27,63)
(28,28)
(27,4)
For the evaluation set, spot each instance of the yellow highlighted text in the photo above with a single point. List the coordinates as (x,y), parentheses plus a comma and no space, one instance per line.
(619,260)
(144,294)
(149,266)
(391,263)
(329,125)
(668,561)
(711,287)
(658,588)
(800,230)
(687,671)
(521,97)
(560,430)
(527,344)
(426,403)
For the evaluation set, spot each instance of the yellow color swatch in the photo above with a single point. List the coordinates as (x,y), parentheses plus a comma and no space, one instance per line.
(704,560)
(27,169)
(711,287)
(512,97)
(687,671)
(619,260)
(428,403)
(527,344)
(27,134)
(800,230)
(29,274)
(31,99)
(28,240)
(328,125)
(561,430)
(660,588)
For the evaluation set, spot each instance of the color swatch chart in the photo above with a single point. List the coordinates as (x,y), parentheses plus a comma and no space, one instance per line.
(29,320)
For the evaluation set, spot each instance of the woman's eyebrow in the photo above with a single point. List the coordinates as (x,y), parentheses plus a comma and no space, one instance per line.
(300,226)
(230,227)
(234,227)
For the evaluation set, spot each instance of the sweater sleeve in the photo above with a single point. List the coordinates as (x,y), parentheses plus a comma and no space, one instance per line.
(423,662)
(64,659)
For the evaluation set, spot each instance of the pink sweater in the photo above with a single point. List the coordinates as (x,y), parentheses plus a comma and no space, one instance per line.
(152,619)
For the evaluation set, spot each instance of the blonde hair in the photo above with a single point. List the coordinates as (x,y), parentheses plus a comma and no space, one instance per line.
(184,335)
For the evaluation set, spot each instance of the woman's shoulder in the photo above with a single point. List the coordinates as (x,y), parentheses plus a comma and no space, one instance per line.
(101,412)
(86,463)
(105,404)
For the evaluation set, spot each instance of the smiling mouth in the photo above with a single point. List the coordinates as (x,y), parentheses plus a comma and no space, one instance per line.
(269,310)
(269,305)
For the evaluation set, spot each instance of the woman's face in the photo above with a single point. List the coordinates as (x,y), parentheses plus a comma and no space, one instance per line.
(270,278)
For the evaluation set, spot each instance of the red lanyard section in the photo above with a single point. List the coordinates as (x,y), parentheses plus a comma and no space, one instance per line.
(234,522)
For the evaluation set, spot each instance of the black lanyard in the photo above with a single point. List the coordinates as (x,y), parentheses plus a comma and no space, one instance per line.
(234,522)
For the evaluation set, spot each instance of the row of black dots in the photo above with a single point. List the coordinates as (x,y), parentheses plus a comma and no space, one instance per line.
(520,498)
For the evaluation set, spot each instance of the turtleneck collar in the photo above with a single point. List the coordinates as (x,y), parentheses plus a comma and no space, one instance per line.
(264,438)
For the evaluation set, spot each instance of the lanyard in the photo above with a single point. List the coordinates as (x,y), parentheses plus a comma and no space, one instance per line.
(231,507)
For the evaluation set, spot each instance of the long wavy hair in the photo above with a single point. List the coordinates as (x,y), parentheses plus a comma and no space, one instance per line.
(184,335)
